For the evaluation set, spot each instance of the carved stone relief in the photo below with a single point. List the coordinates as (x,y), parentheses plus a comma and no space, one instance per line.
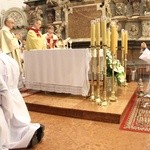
(147,7)
(34,12)
(146,29)
(135,7)
(58,30)
(19,17)
(120,7)
(58,14)
(133,30)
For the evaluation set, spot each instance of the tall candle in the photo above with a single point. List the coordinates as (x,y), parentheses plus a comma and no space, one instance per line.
(104,35)
(108,37)
(122,38)
(126,42)
(113,38)
(93,33)
(97,31)
(116,39)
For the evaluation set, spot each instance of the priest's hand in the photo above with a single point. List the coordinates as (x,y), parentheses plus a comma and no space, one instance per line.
(143,45)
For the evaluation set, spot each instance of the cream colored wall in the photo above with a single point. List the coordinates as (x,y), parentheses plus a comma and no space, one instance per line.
(6,4)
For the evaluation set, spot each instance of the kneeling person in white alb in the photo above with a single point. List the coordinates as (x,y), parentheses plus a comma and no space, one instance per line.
(16,129)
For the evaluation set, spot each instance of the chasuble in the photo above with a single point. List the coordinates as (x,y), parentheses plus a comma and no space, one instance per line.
(35,40)
(10,45)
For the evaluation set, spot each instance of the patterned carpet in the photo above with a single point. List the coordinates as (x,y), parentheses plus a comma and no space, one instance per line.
(137,116)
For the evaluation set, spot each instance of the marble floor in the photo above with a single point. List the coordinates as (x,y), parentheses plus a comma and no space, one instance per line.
(67,133)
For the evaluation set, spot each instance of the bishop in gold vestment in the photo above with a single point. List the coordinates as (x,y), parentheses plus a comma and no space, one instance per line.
(9,41)
(35,40)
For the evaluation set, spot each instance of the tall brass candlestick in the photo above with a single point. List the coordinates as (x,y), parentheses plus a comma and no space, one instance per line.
(125,54)
(122,46)
(126,42)
(104,100)
(98,100)
(113,98)
(125,68)
(113,38)
(92,96)
(114,45)
(108,37)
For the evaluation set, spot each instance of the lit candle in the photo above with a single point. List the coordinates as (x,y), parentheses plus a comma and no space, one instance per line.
(108,37)
(116,39)
(104,35)
(113,38)
(97,31)
(122,38)
(126,42)
(93,33)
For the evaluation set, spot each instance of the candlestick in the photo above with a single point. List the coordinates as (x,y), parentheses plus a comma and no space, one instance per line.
(97,28)
(116,42)
(122,46)
(122,37)
(92,96)
(126,41)
(113,38)
(108,37)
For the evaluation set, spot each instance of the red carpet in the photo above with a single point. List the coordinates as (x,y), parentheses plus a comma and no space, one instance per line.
(26,93)
(137,116)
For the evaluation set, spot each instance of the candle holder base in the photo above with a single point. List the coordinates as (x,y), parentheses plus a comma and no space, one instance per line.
(113,98)
(104,103)
(98,101)
(92,98)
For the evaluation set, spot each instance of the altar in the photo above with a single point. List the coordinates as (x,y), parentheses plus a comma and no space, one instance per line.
(61,71)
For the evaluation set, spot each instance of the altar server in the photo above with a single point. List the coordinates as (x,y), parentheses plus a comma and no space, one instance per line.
(35,40)
(51,38)
(16,129)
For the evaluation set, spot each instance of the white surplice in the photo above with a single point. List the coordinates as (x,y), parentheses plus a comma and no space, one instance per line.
(16,129)
(146,57)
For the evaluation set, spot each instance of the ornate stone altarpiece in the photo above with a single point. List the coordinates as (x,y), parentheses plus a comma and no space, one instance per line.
(71,18)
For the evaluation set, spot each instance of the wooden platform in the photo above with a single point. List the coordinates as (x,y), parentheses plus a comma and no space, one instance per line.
(81,107)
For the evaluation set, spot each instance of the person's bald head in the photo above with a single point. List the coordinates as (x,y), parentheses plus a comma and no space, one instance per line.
(9,22)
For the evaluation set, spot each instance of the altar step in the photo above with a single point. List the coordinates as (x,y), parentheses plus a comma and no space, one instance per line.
(81,107)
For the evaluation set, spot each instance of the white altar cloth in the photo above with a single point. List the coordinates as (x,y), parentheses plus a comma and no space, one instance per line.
(62,71)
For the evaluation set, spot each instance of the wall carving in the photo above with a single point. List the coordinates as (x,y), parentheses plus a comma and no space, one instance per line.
(17,14)
(133,15)
(20,19)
